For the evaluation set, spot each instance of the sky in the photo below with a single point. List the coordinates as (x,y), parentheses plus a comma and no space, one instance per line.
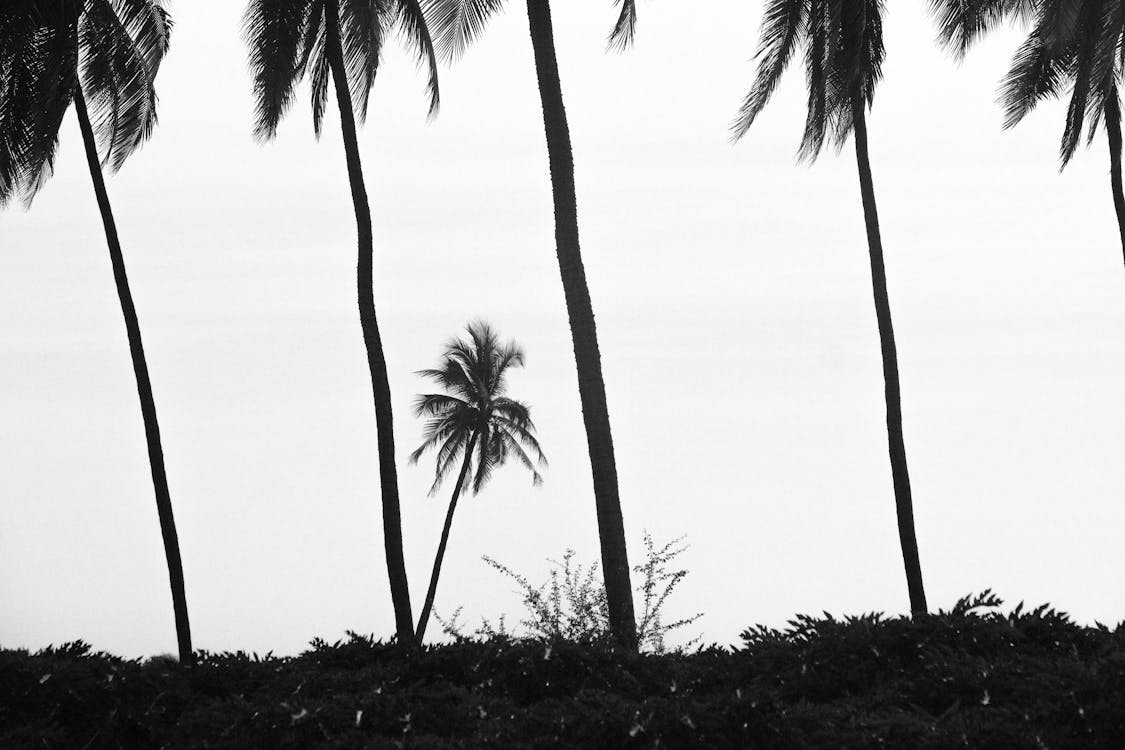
(733,300)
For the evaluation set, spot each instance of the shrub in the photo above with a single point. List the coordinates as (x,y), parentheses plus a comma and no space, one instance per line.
(571,604)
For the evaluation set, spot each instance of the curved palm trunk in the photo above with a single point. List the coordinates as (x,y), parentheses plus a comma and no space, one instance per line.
(1113,129)
(377,364)
(591,386)
(899,473)
(144,390)
(431,592)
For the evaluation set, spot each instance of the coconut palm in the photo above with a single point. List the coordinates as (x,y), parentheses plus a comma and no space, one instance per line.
(456,24)
(843,48)
(102,56)
(473,421)
(342,41)
(1074,45)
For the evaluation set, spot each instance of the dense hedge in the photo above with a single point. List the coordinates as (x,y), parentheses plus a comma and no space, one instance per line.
(970,677)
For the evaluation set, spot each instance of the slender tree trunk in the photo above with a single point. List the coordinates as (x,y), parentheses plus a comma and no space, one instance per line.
(431,592)
(144,390)
(377,364)
(899,472)
(591,386)
(1113,129)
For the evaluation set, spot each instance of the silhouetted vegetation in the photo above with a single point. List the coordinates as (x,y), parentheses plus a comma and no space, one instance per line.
(571,604)
(581,669)
(474,422)
(340,42)
(844,55)
(456,24)
(1074,47)
(973,676)
(102,58)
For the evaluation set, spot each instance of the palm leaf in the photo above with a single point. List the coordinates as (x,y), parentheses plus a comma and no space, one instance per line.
(273,30)
(412,21)
(625,30)
(455,24)
(784,23)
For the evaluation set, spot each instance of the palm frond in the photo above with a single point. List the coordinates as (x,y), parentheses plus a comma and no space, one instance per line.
(49,78)
(448,458)
(524,433)
(314,60)
(273,30)
(116,83)
(490,454)
(513,447)
(438,404)
(361,37)
(962,22)
(456,24)
(506,357)
(625,30)
(817,54)
(784,23)
(19,65)
(1035,74)
(1059,21)
(1082,44)
(149,26)
(412,21)
(510,409)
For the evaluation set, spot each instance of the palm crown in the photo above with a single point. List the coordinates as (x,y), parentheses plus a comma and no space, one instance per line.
(1073,44)
(120,44)
(457,23)
(287,40)
(843,42)
(474,406)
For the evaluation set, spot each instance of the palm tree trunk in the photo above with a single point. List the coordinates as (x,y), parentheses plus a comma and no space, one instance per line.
(899,471)
(431,592)
(144,390)
(591,386)
(377,364)
(1113,129)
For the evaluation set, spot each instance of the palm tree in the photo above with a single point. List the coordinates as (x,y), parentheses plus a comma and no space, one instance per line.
(843,45)
(473,418)
(120,45)
(456,23)
(343,40)
(1073,45)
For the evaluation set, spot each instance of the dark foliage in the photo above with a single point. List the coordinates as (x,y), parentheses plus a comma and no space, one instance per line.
(972,676)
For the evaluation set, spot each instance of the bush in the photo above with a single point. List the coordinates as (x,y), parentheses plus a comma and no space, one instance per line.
(973,676)
(571,604)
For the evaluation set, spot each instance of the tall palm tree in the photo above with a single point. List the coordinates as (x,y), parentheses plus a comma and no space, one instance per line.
(456,24)
(843,45)
(342,40)
(1073,45)
(102,56)
(475,421)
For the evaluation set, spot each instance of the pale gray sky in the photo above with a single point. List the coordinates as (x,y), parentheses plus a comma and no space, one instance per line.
(734,307)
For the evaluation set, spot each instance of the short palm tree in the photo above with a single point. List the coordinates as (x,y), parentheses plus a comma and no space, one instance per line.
(456,24)
(843,46)
(102,56)
(475,423)
(1073,45)
(342,41)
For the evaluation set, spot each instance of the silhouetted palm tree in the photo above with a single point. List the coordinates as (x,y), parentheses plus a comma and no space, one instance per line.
(473,418)
(1074,45)
(343,40)
(456,23)
(843,44)
(120,45)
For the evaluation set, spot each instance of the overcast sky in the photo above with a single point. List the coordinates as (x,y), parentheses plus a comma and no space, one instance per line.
(733,300)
